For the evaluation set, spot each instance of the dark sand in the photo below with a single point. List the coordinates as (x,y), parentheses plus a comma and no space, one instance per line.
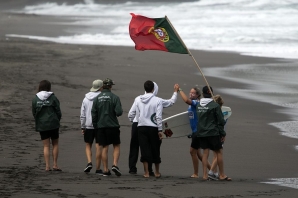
(254,152)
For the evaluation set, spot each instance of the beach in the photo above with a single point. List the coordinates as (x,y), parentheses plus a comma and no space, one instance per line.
(254,152)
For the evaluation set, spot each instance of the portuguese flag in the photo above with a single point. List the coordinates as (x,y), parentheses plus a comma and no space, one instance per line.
(155,34)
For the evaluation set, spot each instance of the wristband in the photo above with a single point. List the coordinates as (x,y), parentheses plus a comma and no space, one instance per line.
(179,90)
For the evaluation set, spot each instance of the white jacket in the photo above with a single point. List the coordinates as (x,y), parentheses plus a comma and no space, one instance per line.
(165,103)
(86,118)
(149,111)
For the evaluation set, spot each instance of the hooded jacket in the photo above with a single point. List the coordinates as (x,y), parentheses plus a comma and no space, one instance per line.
(210,119)
(165,103)
(149,111)
(85,117)
(46,111)
(105,110)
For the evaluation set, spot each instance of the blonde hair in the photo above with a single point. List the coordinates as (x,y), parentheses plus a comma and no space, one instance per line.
(219,100)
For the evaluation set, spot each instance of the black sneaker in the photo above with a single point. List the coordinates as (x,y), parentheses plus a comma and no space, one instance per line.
(88,168)
(116,170)
(133,172)
(151,174)
(107,173)
(99,172)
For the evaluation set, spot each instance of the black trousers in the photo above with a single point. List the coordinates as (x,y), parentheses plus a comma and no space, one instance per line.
(150,144)
(134,149)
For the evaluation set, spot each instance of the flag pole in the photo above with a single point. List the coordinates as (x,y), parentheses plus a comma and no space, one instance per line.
(190,54)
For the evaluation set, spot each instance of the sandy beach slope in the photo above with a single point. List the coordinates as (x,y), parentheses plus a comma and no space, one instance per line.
(254,152)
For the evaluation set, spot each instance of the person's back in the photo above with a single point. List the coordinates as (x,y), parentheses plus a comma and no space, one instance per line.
(151,113)
(210,118)
(46,111)
(47,115)
(85,117)
(106,109)
(134,142)
(87,127)
(211,131)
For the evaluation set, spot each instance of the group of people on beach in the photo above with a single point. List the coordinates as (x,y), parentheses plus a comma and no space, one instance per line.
(100,109)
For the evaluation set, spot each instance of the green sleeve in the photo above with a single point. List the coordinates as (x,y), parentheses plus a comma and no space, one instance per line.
(57,108)
(221,121)
(118,107)
(94,113)
(34,107)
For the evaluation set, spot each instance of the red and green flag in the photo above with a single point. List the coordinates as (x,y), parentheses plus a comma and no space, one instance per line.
(155,34)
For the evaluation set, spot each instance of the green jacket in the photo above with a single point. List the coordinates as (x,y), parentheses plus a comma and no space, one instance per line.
(210,119)
(105,110)
(46,111)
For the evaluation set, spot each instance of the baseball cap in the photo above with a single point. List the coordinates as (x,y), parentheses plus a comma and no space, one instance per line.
(96,85)
(108,82)
(206,92)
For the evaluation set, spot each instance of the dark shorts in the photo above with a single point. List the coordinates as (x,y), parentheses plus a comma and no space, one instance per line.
(53,134)
(107,136)
(149,144)
(195,142)
(89,135)
(211,142)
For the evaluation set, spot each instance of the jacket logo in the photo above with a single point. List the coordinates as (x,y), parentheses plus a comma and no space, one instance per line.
(153,118)
(160,33)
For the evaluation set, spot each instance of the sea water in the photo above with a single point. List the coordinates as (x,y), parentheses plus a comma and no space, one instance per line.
(254,27)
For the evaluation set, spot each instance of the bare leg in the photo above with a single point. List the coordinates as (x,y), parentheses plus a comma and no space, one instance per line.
(145,164)
(46,152)
(89,152)
(105,158)
(157,173)
(205,163)
(200,156)
(220,163)
(99,150)
(116,154)
(214,163)
(195,162)
(55,152)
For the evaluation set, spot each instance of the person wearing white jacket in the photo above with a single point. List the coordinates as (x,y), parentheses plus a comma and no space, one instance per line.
(134,142)
(149,117)
(87,127)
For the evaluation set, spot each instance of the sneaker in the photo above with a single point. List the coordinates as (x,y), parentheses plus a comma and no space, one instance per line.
(116,170)
(151,174)
(133,172)
(212,176)
(88,168)
(107,173)
(99,172)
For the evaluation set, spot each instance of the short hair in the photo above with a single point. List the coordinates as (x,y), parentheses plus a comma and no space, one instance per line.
(198,92)
(44,85)
(149,86)
(105,86)
(219,100)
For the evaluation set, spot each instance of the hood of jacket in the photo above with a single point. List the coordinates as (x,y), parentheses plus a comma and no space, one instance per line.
(92,95)
(146,97)
(43,95)
(155,92)
(205,101)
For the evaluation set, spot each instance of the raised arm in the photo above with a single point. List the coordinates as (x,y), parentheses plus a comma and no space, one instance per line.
(171,102)
(183,96)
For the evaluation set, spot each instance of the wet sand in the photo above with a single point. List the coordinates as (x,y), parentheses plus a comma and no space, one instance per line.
(254,152)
